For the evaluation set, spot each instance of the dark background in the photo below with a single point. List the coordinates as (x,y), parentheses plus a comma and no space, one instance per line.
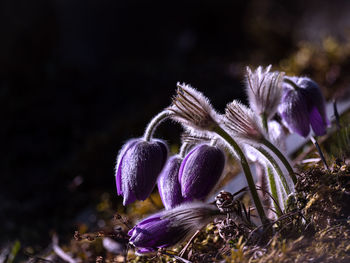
(79,77)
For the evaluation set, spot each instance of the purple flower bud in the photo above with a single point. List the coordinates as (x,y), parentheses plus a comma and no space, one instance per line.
(169,227)
(139,163)
(200,171)
(168,183)
(303,105)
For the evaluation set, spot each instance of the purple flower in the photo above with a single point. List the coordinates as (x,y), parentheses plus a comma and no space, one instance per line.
(169,227)
(200,171)
(138,166)
(168,184)
(303,105)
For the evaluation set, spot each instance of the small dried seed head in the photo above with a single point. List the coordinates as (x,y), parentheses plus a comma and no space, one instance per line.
(191,108)
(225,202)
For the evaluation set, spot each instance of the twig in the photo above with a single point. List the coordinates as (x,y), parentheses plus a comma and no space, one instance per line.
(183,251)
(59,252)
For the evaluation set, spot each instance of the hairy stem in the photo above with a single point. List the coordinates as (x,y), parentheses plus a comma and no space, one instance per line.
(273,188)
(153,124)
(245,166)
(283,159)
(276,167)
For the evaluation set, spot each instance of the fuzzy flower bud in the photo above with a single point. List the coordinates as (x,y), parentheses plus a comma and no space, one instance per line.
(200,171)
(192,108)
(138,165)
(242,122)
(168,183)
(169,227)
(264,89)
(303,105)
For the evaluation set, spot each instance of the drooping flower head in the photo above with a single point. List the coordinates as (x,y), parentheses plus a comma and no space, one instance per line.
(303,105)
(200,171)
(169,227)
(138,165)
(242,122)
(192,108)
(168,183)
(264,89)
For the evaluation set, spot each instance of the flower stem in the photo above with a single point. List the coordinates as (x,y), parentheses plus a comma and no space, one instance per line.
(314,141)
(336,114)
(264,122)
(153,124)
(292,83)
(244,163)
(183,149)
(276,167)
(273,189)
(281,157)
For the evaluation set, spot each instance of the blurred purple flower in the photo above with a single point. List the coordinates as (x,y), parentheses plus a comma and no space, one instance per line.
(200,171)
(138,166)
(303,105)
(168,183)
(169,227)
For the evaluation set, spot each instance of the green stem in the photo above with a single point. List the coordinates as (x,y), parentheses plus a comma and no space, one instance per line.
(273,188)
(244,163)
(276,167)
(184,147)
(318,148)
(153,124)
(281,157)
(292,83)
(264,122)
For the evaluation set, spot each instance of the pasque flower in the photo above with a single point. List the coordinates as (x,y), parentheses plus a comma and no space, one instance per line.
(138,166)
(169,227)
(200,171)
(242,122)
(168,183)
(264,90)
(191,108)
(303,105)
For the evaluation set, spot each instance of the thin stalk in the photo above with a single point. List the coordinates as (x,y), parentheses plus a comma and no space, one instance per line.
(270,174)
(184,147)
(153,124)
(314,141)
(336,114)
(245,166)
(276,167)
(264,122)
(273,188)
(292,83)
(283,159)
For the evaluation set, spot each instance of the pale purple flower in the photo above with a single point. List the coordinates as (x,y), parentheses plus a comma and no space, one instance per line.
(264,90)
(243,122)
(168,183)
(169,227)
(191,108)
(138,166)
(200,171)
(303,105)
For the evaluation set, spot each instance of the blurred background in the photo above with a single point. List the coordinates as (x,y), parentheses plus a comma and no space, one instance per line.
(78,78)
